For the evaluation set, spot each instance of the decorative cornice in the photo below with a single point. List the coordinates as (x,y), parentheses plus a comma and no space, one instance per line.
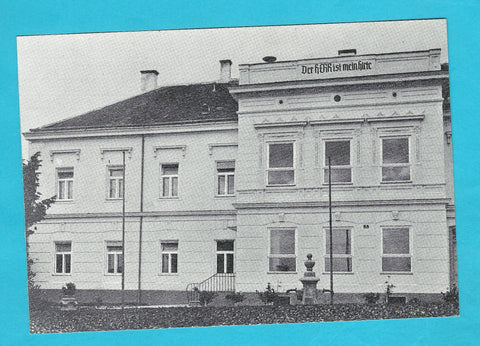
(65,151)
(156,148)
(220,145)
(128,150)
(144,214)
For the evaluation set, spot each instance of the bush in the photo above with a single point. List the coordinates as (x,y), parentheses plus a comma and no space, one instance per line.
(451,295)
(69,289)
(206,297)
(235,297)
(371,298)
(269,295)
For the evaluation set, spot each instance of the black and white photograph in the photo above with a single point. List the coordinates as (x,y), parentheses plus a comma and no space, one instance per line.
(238,176)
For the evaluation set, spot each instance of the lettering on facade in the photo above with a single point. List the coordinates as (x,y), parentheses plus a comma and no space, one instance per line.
(330,67)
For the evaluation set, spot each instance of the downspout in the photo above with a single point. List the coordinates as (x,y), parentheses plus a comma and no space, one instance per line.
(140,233)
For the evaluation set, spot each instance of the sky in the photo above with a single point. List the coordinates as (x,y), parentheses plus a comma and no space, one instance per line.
(61,76)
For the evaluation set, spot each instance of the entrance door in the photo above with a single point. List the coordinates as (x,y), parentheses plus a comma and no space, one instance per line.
(225,256)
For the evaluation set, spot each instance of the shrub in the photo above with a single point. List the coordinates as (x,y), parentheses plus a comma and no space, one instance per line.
(451,295)
(388,289)
(269,295)
(235,297)
(69,289)
(206,297)
(371,298)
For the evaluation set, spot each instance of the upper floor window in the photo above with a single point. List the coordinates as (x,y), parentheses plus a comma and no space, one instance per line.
(281,160)
(396,250)
(339,154)
(225,256)
(115,182)
(225,178)
(65,184)
(395,159)
(341,250)
(114,257)
(170,257)
(170,180)
(63,257)
(282,256)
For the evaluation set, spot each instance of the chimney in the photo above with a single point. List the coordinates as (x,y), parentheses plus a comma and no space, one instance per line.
(225,71)
(149,80)
(347,52)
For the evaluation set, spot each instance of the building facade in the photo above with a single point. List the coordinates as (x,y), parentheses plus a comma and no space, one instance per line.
(226,183)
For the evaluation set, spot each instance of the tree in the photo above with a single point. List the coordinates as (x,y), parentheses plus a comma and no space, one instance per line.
(35,207)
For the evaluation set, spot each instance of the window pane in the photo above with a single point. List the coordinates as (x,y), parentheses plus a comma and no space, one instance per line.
(226,165)
(282,265)
(113,188)
(169,246)
(231,184)
(174,259)
(395,241)
(64,247)
(225,245)
(111,248)
(174,186)
(395,150)
(170,169)
(396,264)
(61,190)
(119,263)
(59,264)
(67,258)
(339,175)
(110,265)
(230,263)
(282,242)
(280,155)
(221,184)
(117,172)
(339,153)
(165,263)
(120,188)
(395,173)
(165,187)
(70,190)
(65,175)
(280,177)
(339,264)
(341,241)
(220,263)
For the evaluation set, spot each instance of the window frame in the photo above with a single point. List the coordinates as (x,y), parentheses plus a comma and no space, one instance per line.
(389,165)
(118,195)
(408,255)
(224,253)
(225,175)
(169,253)
(325,163)
(116,254)
(65,180)
(270,255)
(327,255)
(63,253)
(280,169)
(170,179)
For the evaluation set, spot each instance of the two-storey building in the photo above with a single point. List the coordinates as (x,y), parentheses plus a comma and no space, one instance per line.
(226,183)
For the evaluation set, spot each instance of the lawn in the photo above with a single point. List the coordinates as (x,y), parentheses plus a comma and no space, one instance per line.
(52,320)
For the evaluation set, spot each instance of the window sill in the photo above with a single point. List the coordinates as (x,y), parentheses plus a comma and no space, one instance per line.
(339,273)
(169,274)
(61,274)
(64,201)
(396,273)
(168,198)
(397,182)
(282,185)
(224,196)
(114,199)
(339,184)
(282,272)
(113,274)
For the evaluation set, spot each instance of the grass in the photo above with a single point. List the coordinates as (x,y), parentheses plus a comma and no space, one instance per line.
(52,320)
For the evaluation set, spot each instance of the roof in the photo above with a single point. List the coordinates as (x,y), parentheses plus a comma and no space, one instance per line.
(177,104)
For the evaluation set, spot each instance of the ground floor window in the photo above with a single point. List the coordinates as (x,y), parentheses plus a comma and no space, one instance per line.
(225,256)
(169,257)
(114,257)
(341,250)
(282,256)
(396,250)
(63,257)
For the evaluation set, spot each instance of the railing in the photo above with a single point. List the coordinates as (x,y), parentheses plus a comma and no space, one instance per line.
(219,282)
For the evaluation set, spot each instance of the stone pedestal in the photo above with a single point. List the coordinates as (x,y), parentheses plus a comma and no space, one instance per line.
(309,282)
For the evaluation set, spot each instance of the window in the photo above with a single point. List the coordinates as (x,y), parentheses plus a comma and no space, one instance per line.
(115,183)
(281,164)
(339,153)
(395,159)
(169,257)
(63,257)
(170,180)
(225,178)
(114,257)
(396,250)
(65,184)
(341,250)
(224,256)
(282,250)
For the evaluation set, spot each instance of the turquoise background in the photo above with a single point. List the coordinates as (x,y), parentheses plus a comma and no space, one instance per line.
(54,17)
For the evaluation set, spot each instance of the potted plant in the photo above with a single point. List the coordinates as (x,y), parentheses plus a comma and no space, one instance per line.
(68,301)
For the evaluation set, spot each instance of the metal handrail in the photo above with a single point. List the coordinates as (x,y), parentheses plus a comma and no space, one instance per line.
(218,282)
